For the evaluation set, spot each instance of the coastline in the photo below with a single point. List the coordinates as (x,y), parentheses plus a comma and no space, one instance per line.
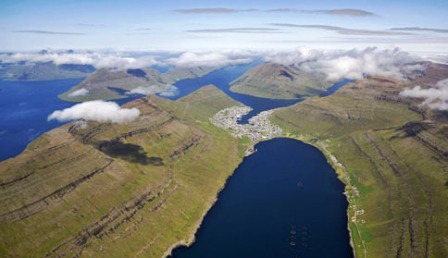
(192,237)
(338,168)
(328,156)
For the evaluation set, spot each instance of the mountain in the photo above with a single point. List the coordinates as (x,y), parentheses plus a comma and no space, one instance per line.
(103,84)
(270,80)
(43,71)
(109,83)
(393,156)
(103,190)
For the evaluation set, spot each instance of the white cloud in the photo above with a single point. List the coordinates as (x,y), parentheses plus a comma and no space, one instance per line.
(165,91)
(169,91)
(97,59)
(151,90)
(129,61)
(122,63)
(97,110)
(353,64)
(409,68)
(435,97)
(336,64)
(77,93)
(215,58)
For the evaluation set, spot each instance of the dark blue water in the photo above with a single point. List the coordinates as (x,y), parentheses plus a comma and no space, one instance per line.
(283,201)
(24,108)
(284,194)
(222,78)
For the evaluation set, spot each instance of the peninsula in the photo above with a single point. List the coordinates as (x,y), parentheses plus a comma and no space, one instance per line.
(391,153)
(102,189)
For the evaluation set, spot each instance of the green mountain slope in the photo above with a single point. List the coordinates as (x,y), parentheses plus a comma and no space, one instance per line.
(278,81)
(393,157)
(107,84)
(117,190)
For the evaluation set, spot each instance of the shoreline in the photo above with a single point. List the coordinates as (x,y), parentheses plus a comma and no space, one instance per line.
(192,238)
(335,167)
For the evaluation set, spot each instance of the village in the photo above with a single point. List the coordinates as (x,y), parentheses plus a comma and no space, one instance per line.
(259,127)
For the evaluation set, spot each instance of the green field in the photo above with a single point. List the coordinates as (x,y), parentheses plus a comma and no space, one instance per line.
(392,158)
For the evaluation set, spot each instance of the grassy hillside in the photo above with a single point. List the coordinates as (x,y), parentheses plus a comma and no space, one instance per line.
(109,190)
(278,81)
(393,158)
(101,83)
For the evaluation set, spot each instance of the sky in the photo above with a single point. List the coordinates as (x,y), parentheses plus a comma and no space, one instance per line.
(180,25)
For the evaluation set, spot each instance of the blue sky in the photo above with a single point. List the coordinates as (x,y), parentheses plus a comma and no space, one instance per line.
(206,25)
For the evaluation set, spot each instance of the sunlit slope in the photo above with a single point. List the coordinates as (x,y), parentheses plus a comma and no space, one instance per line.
(279,81)
(110,84)
(396,158)
(113,190)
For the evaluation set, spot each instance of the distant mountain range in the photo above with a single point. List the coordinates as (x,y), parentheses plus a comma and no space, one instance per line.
(43,71)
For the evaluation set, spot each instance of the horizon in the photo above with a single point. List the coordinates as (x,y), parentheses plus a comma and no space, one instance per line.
(206,26)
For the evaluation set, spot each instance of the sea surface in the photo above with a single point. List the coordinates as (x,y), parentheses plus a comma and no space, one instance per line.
(222,78)
(24,108)
(284,200)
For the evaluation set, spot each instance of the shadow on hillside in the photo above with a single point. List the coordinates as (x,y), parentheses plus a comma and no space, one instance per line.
(129,152)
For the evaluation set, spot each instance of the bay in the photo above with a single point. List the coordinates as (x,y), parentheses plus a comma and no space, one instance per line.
(24,108)
(285,200)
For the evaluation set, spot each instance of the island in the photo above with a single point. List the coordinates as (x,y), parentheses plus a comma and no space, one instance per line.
(111,83)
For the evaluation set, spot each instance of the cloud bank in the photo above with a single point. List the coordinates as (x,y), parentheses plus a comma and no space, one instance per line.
(352,64)
(212,59)
(343,12)
(348,12)
(48,32)
(212,10)
(421,29)
(97,59)
(124,61)
(98,110)
(434,98)
(237,30)
(336,64)
(345,31)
